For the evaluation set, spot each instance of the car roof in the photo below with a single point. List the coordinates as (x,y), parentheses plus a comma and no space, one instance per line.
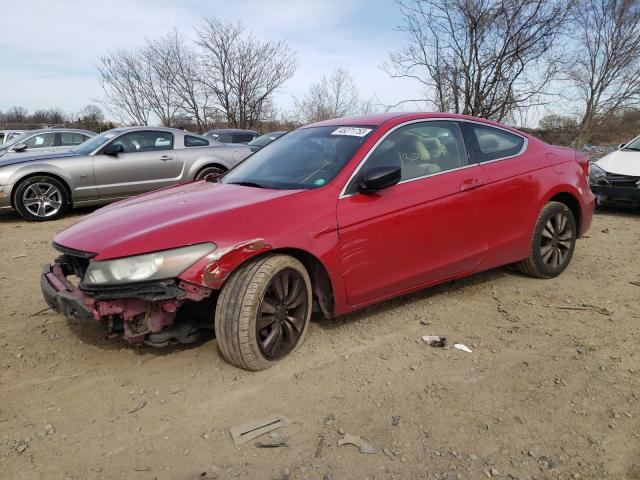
(76,130)
(136,128)
(231,130)
(376,120)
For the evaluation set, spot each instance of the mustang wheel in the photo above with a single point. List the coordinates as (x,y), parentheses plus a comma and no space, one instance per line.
(554,240)
(263,312)
(210,173)
(41,198)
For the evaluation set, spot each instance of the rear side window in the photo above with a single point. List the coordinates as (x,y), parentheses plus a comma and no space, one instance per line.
(224,138)
(191,141)
(70,139)
(494,143)
(242,137)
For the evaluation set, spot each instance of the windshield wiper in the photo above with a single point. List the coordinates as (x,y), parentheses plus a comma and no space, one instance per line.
(247,184)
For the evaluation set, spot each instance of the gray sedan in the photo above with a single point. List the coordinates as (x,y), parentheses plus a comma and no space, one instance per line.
(45,140)
(108,167)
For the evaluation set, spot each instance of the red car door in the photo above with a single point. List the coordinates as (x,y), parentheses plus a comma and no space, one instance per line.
(513,172)
(424,229)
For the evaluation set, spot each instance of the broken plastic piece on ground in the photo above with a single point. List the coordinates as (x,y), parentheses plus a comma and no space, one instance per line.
(461,346)
(241,434)
(435,340)
(273,443)
(364,447)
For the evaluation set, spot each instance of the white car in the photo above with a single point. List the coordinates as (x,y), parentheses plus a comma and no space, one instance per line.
(615,178)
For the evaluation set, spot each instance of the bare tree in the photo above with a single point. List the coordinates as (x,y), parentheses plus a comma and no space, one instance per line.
(158,77)
(187,80)
(485,58)
(606,66)
(91,117)
(53,116)
(121,78)
(333,97)
(242,73)
(16,115)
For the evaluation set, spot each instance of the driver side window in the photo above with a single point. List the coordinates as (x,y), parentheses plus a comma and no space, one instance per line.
(422,149)
(41,140)
(145,141)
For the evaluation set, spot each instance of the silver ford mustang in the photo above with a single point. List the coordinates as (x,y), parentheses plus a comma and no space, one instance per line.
(110,166)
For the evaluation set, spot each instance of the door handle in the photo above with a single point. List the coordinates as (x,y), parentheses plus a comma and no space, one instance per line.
(470,184)
(164,158)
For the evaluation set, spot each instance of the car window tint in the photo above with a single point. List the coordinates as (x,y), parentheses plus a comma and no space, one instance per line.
(41,140)
(225,138)
(494,143)
(145,141)
(71,138)
(242,137)
(422,149)
(191,141)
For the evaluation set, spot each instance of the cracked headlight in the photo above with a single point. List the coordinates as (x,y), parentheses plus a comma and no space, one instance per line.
(596,173)
(146,267)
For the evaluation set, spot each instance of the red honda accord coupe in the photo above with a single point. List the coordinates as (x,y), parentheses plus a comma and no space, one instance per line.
(331,217)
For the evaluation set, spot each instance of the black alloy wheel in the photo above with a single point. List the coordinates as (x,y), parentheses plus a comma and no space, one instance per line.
(282,314)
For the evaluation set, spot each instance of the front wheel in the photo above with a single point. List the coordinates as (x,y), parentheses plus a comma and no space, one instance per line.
(41,198)
(553,242)
(263,312)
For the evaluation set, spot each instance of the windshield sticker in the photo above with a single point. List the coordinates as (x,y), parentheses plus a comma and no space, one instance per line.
(320,182)
(352,131)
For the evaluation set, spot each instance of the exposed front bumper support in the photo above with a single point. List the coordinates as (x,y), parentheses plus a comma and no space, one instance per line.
(138,309)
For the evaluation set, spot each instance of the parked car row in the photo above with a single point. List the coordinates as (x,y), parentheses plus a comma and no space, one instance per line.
(110,166)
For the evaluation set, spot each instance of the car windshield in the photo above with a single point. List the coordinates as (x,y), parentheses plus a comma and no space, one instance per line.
(90,145)
(303,159)
(633,145)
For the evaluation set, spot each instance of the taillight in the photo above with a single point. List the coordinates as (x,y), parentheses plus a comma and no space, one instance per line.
(583,161)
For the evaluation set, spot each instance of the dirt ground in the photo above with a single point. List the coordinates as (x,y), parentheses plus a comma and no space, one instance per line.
(547,393)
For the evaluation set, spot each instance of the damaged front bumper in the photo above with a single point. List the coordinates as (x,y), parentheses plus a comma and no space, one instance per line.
(141,313)
(616,189)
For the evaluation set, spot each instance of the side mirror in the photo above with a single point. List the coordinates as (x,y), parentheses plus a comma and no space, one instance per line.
(113,149)
(621,146)
(377,178)
(19,147)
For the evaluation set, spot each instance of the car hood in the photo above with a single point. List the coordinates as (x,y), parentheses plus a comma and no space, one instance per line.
(174,217)
(33,157)
(621,162)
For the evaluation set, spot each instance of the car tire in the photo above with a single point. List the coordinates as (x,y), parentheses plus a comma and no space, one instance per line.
(263,312)
(210,171)
(41,198)
(553,242)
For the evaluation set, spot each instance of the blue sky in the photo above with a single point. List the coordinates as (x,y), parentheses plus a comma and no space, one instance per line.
(49,49)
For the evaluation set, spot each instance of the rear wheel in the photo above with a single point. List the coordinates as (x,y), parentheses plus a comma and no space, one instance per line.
(210,173)
(41,198)
(263,312)
(553,242)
